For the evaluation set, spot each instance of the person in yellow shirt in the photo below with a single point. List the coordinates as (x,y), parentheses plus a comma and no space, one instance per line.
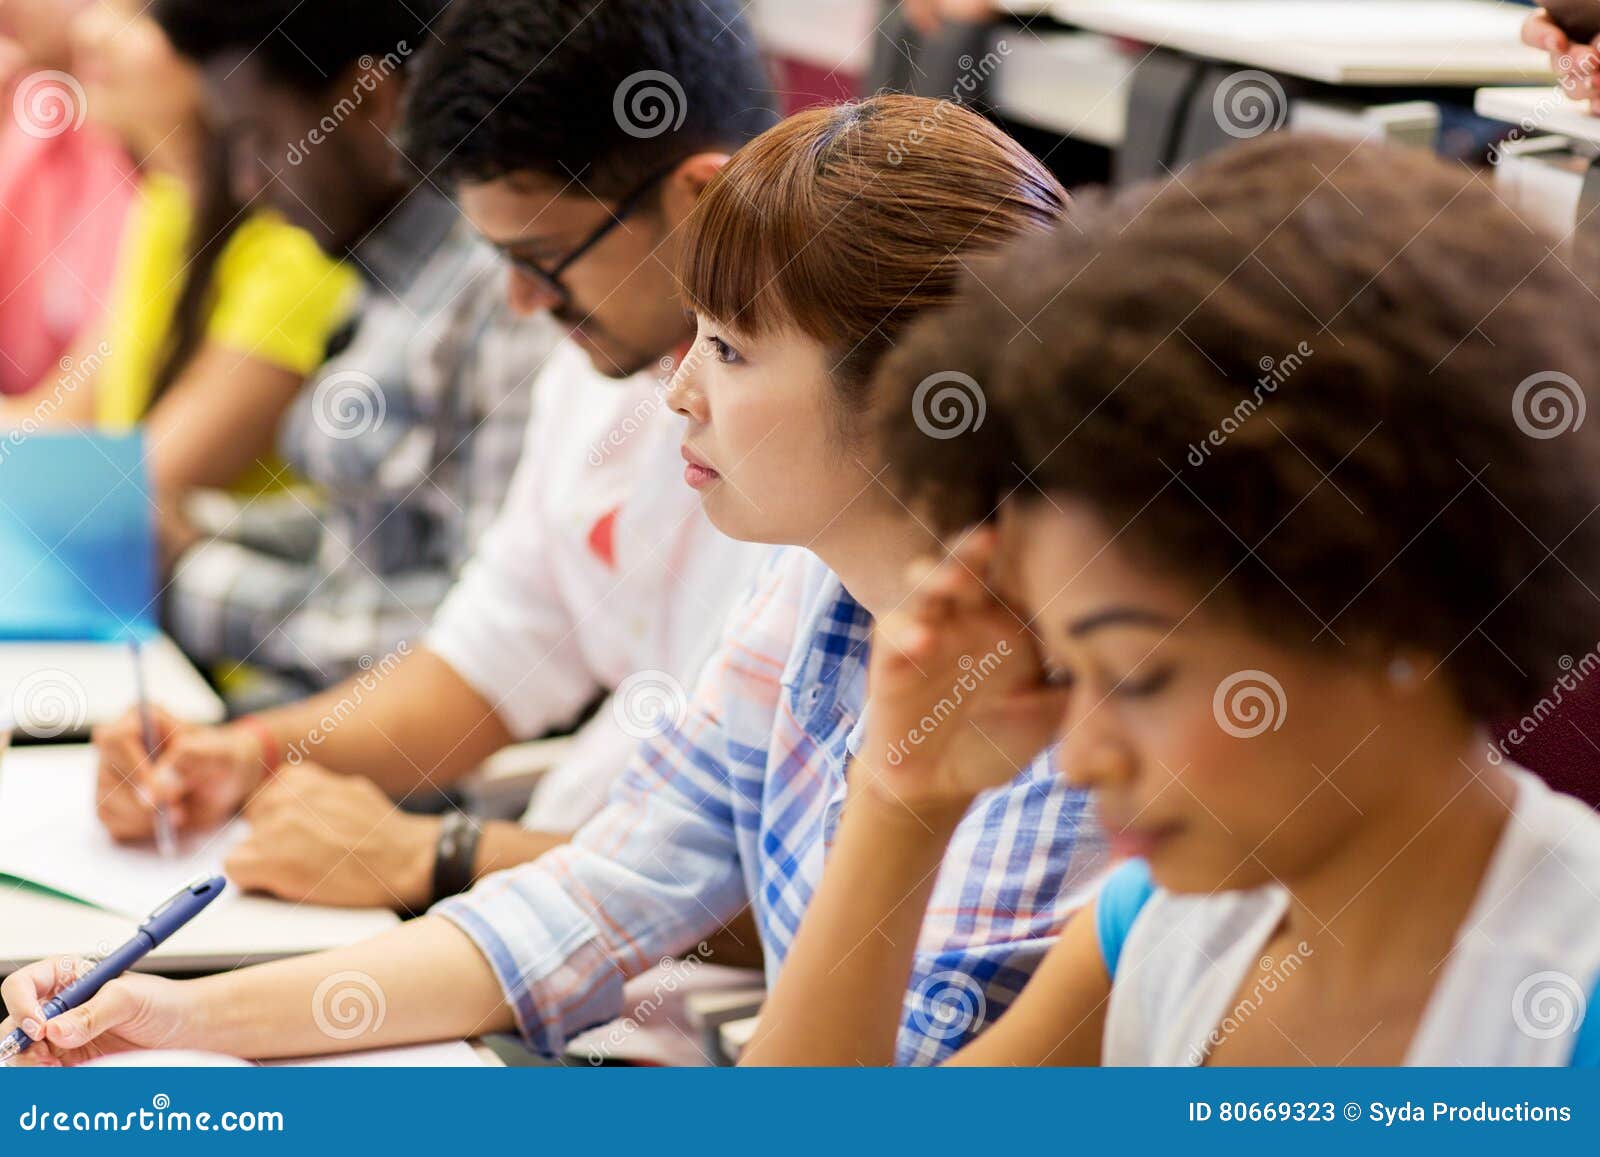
(216,314)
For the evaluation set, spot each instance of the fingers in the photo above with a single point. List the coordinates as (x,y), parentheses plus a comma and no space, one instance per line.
(254,868)
(1576,65)
(109,1009)
(26,990)
(118,802)
(1539,31)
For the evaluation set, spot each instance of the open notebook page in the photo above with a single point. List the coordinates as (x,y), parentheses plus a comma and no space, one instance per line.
(443,1055)
(54,839)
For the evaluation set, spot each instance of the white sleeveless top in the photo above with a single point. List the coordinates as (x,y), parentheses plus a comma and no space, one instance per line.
(1514,991)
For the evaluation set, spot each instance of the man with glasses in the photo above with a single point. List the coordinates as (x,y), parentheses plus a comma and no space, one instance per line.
(601,573)
(411,429)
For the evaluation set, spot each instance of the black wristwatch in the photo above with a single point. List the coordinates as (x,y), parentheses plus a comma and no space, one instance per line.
(456,855)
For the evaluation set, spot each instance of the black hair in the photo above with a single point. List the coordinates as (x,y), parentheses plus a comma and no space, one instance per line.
(607,92)
(217,217)
(304,45)
(1339,387)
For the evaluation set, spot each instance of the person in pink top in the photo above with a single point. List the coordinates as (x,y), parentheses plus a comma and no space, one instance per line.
(64,193)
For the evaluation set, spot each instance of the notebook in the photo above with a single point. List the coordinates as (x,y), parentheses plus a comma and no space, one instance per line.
(96,890)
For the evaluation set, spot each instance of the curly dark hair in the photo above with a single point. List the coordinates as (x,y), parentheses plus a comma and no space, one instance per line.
(1340,385)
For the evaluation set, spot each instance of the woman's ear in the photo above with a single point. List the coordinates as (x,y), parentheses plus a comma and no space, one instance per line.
(685,184)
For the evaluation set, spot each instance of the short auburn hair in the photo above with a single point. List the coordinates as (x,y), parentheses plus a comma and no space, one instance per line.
(1340,387)
(847,221)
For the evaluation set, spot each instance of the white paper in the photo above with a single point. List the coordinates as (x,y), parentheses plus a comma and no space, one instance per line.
(54,838)
(444,1055)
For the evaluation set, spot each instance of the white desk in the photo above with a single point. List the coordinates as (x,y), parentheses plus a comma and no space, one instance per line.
(837,35)
(62,690)
(1544,109)
(1353,42)
(1071,83)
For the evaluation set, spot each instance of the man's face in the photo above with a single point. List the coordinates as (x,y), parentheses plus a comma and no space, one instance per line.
(321,160)
(620,301)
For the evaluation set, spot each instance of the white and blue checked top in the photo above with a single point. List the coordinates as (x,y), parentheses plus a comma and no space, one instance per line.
(737,805)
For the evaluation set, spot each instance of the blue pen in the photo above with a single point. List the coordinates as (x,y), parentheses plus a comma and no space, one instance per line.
(188,903)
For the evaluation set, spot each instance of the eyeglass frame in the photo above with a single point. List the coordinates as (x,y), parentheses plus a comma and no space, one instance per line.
(550,279)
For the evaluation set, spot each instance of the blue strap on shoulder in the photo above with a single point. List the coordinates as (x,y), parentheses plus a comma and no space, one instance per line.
(1586,1053)
(1122,897)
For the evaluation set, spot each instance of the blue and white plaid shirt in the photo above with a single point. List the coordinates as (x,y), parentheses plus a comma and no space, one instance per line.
(737,805)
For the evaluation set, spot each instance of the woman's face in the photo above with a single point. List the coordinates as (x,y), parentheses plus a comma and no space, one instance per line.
(1222,758)
(136,86)
(763,446)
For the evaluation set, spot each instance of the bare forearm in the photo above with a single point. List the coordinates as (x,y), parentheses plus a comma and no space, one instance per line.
(505,845)
(843,985)
(419,722)
(217,419)
(429,979)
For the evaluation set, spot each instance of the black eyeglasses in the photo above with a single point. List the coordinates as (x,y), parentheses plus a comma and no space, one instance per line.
(551,278)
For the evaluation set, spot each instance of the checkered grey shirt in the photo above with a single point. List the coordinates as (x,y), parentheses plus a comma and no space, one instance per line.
(411,433)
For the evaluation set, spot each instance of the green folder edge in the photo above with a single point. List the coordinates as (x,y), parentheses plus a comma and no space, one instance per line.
(40,890)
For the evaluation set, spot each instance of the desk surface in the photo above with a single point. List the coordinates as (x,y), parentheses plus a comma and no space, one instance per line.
(1445,43)
(1543,109)
(59,690)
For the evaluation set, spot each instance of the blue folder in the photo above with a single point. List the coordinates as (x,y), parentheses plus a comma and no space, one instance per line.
(77,538)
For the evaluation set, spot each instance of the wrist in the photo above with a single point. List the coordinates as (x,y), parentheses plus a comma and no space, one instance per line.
(933,817)
(211,1015)
(421,842)
(455,855)
(266,751)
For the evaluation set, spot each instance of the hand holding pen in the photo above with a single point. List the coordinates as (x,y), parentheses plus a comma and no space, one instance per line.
(51,1002)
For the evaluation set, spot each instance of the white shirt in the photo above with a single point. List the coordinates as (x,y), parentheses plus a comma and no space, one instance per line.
(1513,992)
(600,566)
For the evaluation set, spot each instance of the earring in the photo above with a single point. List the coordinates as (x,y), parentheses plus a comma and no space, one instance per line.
(1402,675)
